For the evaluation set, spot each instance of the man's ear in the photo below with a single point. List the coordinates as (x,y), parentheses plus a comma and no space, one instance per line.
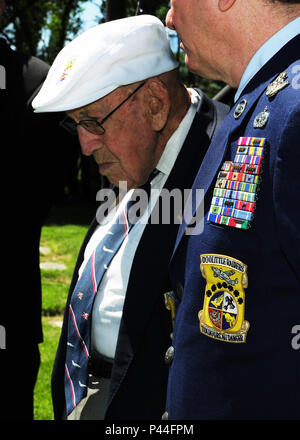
(224,5)
(158,103)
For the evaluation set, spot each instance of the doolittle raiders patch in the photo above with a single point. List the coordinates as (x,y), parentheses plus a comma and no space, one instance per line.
(222,316)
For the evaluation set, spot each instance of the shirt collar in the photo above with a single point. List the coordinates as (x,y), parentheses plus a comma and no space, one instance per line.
(267,51)
(177,139)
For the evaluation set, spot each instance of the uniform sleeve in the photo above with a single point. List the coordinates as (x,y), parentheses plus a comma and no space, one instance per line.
(287,189)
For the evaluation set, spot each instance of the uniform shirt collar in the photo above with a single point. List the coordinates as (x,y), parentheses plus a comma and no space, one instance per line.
(267,51)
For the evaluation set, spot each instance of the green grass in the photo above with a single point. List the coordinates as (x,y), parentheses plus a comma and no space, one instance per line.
(64,242)
(42,393)
(63,235)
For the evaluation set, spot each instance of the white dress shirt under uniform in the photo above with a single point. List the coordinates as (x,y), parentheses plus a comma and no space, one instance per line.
(109,301)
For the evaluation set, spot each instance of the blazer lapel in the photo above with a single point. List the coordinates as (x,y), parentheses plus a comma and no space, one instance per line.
(155,248)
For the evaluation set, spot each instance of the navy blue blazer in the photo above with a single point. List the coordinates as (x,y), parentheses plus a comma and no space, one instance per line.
(139,376)
(238,288)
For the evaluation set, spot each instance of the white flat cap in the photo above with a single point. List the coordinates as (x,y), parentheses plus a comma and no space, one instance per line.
(105,57)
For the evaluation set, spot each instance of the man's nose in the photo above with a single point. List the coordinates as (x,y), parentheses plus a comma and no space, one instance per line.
(169,20)
(89,142)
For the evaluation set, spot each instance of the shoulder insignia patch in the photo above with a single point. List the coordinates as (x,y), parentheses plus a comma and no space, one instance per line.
(222,316)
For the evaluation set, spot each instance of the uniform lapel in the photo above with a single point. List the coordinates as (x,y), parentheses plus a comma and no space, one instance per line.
(206,173)
(222,139)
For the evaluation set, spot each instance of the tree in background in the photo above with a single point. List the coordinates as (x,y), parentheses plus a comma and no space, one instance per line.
(25,24)
(115,9)
(65,21)
(42,28)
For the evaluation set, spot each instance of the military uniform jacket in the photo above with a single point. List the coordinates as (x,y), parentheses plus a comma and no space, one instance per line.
(139,376)
(237,283)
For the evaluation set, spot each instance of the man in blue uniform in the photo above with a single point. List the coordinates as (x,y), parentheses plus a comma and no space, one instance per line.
(236,280)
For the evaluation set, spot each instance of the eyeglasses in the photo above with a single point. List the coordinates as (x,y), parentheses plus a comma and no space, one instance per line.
(93,125)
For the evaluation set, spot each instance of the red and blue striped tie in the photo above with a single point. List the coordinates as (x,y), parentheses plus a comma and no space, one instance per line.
(80,308)
(81,304)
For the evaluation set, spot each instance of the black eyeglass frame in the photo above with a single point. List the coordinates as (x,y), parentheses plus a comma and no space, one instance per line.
(71,126)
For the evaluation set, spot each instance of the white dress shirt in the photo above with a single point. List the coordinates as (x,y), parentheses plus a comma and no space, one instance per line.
(109,301)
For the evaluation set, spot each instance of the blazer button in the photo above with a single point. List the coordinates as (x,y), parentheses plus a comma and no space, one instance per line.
(169,356)
(165,416)
(179,291)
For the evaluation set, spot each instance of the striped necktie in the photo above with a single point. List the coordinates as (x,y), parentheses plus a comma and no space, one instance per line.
(80,307)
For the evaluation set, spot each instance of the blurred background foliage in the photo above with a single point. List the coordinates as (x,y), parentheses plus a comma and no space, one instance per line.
(42,28)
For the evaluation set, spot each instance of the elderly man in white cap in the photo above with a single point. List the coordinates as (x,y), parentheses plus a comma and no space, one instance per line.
(119,86)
